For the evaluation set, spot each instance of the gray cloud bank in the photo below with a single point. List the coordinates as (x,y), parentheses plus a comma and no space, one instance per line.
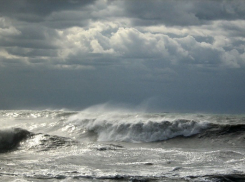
(181,56)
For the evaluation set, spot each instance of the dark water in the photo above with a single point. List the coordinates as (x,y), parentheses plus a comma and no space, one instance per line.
(102,145)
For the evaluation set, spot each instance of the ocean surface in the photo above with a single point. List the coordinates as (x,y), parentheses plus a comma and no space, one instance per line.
(117,145)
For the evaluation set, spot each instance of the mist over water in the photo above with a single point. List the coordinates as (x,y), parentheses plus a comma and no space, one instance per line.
(107,143)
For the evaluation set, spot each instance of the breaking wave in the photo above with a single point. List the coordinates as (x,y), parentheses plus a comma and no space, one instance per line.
(139,130)
(58,128)
(131,127)
(146,132)
(11,138)
(45,142)
(18,138)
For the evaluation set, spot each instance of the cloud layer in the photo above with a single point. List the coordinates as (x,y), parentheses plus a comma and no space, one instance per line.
(148,49)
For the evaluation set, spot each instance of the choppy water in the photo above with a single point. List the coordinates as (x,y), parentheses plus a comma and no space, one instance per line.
(99,145)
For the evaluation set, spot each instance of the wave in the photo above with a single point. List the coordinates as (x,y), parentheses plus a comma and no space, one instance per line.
(59,128)
(18,138)
(216,130)
(220,177)
(150,131)
(11,138)
(131,127)
(142,131)
(45,142)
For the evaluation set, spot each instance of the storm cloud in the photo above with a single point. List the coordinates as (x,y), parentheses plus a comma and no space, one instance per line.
(177,55)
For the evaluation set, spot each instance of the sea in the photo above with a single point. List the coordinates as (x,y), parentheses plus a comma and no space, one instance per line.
(121,145)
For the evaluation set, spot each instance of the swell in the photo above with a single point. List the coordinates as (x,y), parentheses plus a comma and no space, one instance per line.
(11,138)
(46,142)
(18,138)
(216,130)
(217,136)
(119,128)
(220,178)
(154,131)
(142,131)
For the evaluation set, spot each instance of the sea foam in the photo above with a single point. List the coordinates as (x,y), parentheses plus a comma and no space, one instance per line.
(136,128)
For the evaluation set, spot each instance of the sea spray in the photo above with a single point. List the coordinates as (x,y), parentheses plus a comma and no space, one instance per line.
(86,145)
(135,127)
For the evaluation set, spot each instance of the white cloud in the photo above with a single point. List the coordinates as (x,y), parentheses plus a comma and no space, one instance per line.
(104,28)
(149,43)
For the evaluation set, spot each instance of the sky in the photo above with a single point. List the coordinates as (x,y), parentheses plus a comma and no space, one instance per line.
(160,56)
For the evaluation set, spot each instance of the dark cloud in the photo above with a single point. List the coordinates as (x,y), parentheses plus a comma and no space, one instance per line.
(182,13)
(183,55)
(220,10)
(161,12)
(29,10)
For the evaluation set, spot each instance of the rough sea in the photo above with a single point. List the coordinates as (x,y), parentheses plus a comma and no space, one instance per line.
(117,145)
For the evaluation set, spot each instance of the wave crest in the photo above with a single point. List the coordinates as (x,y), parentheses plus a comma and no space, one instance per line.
(148,131)
(10,138)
